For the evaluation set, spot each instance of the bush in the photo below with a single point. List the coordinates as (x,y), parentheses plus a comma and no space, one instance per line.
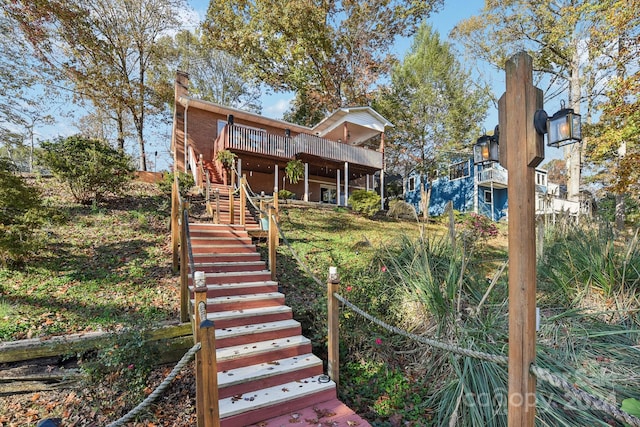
(365,202)
(185,182)
(286,195)
(90,167)
(19,214)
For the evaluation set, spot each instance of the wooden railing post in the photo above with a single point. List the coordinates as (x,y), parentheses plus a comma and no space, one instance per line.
(207,411)
(243,199)
(216,215)
(210,407)
(333,365)
(184,271)
(232,219)
(175,230)
(273,236)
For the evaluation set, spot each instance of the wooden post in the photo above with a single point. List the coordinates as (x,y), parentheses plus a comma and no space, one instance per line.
(273,236)
(333,363)
(526,150)
(231,206)
(216,216)
(204,332)
(184,271)
(210,410)
(243,199)
(200,296)
(175,226)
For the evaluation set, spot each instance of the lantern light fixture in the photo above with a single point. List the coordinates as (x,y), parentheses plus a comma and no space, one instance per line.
(486,149)
(563,128)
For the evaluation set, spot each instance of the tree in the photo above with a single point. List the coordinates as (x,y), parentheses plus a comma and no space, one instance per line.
(436,106)
(214,75)
(19,214)
(104,47)
(91,168)
(614,149)
(551,31)
(328,53)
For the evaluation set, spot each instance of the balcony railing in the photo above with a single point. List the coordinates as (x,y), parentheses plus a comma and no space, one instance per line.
(497,176)
(260,142)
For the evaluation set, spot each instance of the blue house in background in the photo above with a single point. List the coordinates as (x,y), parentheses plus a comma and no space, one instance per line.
(480,188)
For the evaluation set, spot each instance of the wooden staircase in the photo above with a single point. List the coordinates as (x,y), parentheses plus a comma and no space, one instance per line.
(267,375)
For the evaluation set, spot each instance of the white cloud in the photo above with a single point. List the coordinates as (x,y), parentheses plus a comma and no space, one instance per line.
(277,105)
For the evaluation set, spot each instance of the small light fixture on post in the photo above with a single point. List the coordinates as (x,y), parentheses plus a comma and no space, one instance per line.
(563,128)
(486,149)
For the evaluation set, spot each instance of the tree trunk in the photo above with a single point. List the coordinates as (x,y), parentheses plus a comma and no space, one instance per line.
(573,152)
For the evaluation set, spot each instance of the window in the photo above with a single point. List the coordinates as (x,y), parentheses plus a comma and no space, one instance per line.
(459,170)
(411,185)
(541,178)
(488,196)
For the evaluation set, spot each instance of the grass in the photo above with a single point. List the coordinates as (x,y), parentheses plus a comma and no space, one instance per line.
(104,266)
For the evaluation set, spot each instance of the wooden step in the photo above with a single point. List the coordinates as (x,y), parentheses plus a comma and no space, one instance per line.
(226,248)
(215,240)
(335,413)
(225,257)
(212,232)
(241,288)
(229,266)
(243,302)
(249,334)
(234,357)
(242,380)
(249,316)
(252,406)
(236,277)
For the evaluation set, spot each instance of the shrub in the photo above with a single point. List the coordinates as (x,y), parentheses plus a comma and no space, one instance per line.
(365,202)
(475,229)
(185,182)
(19,214)
(286,194)
(91,168)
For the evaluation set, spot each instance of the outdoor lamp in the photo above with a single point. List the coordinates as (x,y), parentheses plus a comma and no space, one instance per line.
(485,149)
(563,128)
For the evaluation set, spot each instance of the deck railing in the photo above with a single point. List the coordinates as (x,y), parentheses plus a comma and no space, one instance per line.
(497,176)
(260,142)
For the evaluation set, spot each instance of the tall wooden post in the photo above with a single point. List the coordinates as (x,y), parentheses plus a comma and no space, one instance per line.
(525,151)
(184,270)
(273,237)
(243,199)
(200,297)
(333,346)
(175,230)
(232,201)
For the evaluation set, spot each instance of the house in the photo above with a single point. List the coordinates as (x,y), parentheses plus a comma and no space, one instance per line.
(342,153)
(483,189)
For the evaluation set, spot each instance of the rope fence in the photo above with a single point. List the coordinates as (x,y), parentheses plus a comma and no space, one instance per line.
(189,355)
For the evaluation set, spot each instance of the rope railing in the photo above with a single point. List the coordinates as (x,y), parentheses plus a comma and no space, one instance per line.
(555,380)
(189,355)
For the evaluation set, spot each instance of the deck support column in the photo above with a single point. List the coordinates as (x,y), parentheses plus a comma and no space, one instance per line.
(275,180)
(338,187)
(346,183)
(306,182)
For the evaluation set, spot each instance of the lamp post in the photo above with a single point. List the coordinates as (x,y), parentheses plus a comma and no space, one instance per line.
(523,123)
